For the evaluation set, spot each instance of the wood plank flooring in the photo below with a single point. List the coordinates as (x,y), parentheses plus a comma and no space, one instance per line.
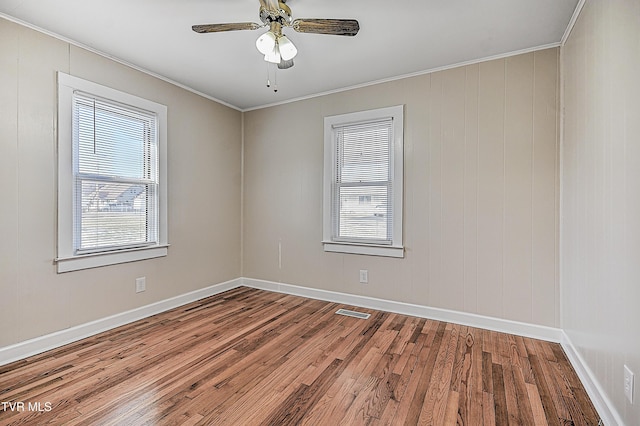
(251,357)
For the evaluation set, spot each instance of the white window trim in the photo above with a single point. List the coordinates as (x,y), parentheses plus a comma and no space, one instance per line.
(66,259)
(396,249)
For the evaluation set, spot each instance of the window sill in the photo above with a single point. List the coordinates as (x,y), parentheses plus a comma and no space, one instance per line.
(365,249)
(96,260)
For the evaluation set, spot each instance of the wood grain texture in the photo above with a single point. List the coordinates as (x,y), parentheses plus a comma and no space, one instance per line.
(253,357)
(216,28)
(342,27)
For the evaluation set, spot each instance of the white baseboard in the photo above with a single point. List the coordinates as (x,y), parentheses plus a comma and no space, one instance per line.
(602,403)
(41,344)
(490,323)
(54,340)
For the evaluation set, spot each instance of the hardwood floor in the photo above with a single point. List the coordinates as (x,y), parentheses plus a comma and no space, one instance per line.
(253,357)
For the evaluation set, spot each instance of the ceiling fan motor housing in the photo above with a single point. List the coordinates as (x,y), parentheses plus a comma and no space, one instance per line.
(282,15)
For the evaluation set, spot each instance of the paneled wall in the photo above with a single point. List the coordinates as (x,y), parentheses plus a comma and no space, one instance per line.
(480,202)
(481,191)
(601,194)
(204,147)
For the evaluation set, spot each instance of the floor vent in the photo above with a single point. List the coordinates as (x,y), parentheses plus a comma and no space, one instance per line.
(352,314)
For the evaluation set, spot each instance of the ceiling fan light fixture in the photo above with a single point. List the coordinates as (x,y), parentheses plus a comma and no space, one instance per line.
(287,49)
(283,65)
(273,56)
(266,43)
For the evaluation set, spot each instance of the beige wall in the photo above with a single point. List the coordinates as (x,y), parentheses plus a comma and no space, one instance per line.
(204,149)
(601,194)
(481,198)
(481,192)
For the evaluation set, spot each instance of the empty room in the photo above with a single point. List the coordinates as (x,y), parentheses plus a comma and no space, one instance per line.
(270,212)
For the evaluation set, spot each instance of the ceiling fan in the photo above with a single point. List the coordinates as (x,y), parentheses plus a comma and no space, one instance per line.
(275,46)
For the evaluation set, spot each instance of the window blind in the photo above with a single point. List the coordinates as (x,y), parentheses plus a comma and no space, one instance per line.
(363,184)
(115,175)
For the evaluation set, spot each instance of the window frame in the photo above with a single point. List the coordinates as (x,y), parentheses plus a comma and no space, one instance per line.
(67,258)
(396,248)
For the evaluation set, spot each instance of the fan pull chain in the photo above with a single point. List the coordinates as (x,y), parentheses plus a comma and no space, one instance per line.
(275,79)
(268,79)
(275,76)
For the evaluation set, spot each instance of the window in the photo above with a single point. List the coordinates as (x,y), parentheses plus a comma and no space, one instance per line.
(363,172)
(111,183)
(364,199)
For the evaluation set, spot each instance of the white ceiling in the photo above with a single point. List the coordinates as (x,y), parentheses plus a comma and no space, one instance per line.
(396,38)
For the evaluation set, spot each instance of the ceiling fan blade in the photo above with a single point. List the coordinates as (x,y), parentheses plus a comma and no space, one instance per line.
(344,27)
(216,28)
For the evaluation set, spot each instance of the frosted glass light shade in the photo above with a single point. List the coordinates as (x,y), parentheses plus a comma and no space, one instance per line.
(273,56)
(266,43)
(287,49)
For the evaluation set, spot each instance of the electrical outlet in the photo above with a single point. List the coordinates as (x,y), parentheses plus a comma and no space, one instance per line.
(628,384)
(364,276)
(141,284)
